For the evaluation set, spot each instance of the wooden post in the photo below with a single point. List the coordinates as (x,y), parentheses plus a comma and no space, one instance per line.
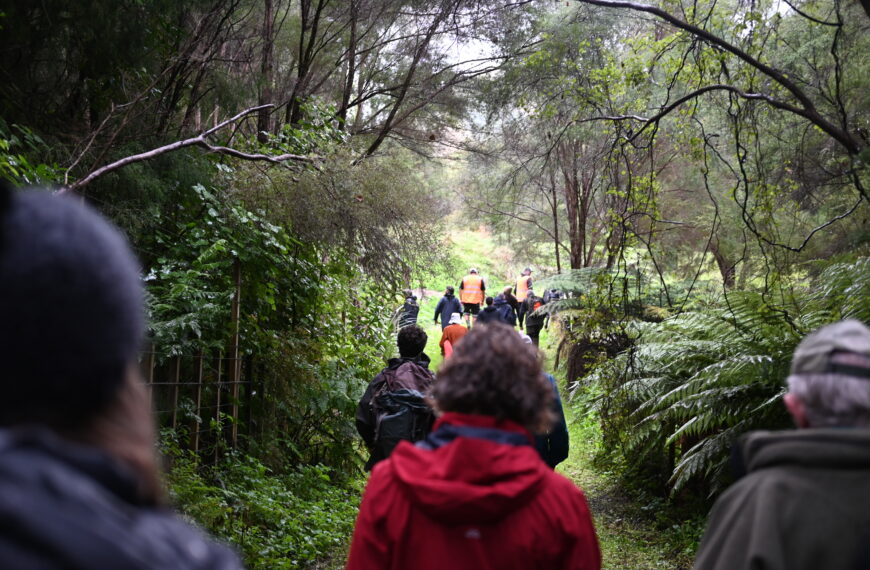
(176,374)
(197,402)
(235,366)
(217,412)
(149,374)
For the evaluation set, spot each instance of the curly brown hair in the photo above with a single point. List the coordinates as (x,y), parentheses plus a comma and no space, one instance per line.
(493,372)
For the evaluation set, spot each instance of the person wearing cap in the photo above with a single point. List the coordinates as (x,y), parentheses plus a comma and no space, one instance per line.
(79,479)
(472,291)
(453,332)
(804,502)
(447,305)
(524,285)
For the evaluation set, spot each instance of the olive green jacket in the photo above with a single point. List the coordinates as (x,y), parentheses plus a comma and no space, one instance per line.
(804,504)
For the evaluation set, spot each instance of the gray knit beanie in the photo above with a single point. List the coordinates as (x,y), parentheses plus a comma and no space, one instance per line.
(71,316)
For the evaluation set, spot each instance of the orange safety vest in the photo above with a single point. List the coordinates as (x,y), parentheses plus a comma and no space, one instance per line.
(471,291)
(523,287)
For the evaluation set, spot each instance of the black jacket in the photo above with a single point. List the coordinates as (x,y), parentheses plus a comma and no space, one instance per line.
(69,506)
(489,314)
(448,305)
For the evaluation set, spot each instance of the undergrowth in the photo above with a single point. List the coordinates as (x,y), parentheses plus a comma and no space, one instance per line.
(290,519)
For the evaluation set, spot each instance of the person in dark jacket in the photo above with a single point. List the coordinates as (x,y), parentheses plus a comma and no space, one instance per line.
(805,502)
(447,305)
(505,311)
(79,479)
(411,342)
(407,313)
(475,494)
(489,314)
(534,321)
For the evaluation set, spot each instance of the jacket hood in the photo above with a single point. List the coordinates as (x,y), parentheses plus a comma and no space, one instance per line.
(489,309)
(69,506)
(499,301)
(421,359)
(471,479)
(810,447)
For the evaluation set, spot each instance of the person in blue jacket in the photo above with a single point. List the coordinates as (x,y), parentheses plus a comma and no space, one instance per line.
(553,446)
(447,305)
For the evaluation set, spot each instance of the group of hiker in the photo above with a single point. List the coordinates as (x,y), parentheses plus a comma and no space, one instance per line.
(461,462)
(512,306)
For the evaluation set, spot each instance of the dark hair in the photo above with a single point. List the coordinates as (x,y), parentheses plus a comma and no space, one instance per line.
(449,290)
(488,300)
(494,373)
(411,341)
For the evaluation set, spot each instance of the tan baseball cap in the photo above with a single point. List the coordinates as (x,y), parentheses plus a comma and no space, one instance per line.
(839,348)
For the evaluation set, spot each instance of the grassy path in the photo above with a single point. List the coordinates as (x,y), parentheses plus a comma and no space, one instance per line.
(628,540)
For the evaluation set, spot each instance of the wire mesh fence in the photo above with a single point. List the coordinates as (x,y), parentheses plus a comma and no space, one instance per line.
(205,395)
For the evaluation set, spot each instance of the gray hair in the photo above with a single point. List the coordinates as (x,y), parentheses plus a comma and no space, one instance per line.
(832,400)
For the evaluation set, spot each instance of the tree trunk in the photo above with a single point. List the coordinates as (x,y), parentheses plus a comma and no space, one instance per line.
(266,70)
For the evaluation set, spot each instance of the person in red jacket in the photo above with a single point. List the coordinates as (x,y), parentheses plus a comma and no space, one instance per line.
(475,494)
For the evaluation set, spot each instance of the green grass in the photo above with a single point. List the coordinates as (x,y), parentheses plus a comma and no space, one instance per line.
(628,538)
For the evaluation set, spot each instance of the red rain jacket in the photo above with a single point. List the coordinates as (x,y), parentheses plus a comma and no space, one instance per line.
(472,504)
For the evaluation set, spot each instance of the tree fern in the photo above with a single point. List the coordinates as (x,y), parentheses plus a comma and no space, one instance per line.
(689,385)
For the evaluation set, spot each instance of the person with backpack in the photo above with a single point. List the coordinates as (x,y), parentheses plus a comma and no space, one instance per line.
(488,314)
(474,493)
(407,313)
(393,406)
(505,311)
(447,305)
(79,477)
(534,322)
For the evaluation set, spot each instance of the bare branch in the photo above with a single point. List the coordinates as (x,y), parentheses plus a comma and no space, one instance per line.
(199,140)
(852,145)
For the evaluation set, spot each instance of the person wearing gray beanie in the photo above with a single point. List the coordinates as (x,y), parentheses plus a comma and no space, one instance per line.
(79,482)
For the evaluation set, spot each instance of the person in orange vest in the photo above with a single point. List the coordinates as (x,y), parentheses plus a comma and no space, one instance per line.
(472,291)
(524,284)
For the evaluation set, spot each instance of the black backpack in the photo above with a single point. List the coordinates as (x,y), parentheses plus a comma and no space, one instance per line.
(400,410)
(506,312)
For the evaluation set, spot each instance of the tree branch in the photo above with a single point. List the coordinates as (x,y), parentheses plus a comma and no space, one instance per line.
(199,140)
(852,145)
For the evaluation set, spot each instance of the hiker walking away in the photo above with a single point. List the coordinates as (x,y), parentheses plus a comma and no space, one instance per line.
(447,305)
(804,501)
(408,311)
(471,292)
(534,322)
(524,284)
(552,445)
(395,395)
(505,309)
(475,492)
(549,296)
(453,332)
(488,314)
(79,478)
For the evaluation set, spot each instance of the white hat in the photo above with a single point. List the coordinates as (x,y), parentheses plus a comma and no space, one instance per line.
(455,319)
(525,338)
